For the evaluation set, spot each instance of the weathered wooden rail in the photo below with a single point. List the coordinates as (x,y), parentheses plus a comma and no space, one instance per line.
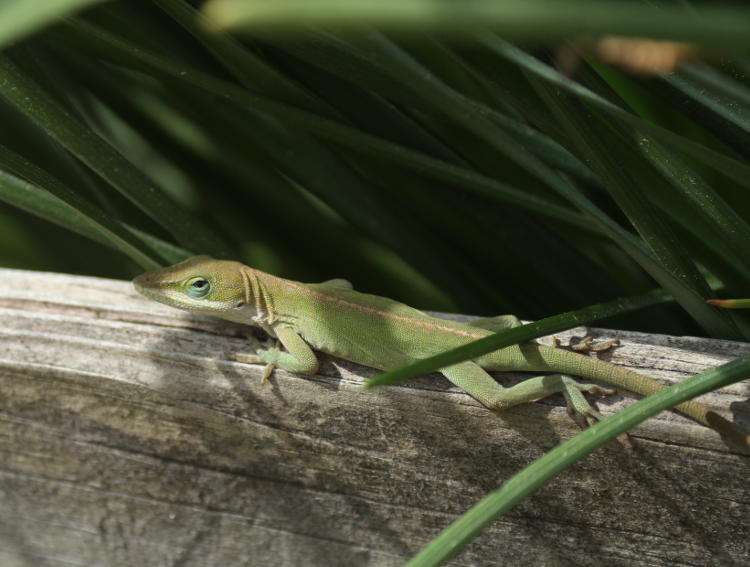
(127,437)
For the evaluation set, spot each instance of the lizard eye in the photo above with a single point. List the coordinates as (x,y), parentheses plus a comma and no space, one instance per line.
(198,288)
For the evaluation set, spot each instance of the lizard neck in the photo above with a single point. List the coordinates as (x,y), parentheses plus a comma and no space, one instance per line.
(261,290)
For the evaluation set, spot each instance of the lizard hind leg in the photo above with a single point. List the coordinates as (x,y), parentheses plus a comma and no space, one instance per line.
(581,410)
(579,407)
(475,381)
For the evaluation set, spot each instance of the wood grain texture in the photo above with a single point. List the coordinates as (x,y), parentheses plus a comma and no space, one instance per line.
(127,437)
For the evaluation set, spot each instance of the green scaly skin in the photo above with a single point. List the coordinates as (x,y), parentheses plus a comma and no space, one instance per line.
(382,333)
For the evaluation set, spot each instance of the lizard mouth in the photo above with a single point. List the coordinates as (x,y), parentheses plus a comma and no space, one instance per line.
(144,290)
(139,288)
(148,286)
(153,280)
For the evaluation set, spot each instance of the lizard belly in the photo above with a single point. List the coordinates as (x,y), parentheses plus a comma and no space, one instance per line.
(378,345)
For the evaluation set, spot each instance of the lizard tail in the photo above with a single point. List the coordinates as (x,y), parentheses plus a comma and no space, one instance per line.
(586,367)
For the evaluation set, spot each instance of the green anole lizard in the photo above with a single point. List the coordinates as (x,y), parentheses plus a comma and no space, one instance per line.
(382,333)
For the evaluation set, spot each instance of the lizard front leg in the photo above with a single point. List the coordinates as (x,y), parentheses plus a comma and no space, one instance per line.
(299,357)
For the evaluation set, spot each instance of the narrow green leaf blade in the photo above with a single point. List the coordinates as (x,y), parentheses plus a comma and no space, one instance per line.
(546,20)
(120,50)
(544,469)
(520,334)
(29,196)
(104,160)
(616,164)
(732,168)
(19,18)
(141,247)
(250,69)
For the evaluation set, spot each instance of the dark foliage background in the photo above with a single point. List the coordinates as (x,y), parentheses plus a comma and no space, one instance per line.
(447,164)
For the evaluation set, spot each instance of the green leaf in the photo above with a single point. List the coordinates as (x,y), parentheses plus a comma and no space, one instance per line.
(25,196)
(105,160)
(544,20)
(251,70)
(670,268)
(720,226)
(691,197)
(109,45)
(514,490)
(732,168)
(130,241)
(520,334)
(474,133)
(19,18)
(315,169)
(385,69)
(614,162)
(727,100)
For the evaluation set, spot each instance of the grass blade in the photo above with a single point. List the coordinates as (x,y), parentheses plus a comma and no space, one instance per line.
(108,229)
(19,18)
(607,153)
(110,46)
(546,20)
(401,79)
(30,198)
(544,469)
(710,90)
(520,334)
(732,168)
(102,158)
(249,69)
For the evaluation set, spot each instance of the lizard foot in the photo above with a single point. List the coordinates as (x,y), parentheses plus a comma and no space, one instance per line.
(587,344)
(579,407)
(581,410)
(266,356)
(267,371)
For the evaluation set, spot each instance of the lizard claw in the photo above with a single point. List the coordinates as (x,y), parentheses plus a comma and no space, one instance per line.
(585,418)
(245,358)
(585,415)
(598,391)
(267,371)
(590,417)
(587,345)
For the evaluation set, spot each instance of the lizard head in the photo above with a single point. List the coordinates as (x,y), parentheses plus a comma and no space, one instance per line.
(199,284)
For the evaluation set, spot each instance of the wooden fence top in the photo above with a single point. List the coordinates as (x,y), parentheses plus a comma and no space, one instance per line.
(128,437)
